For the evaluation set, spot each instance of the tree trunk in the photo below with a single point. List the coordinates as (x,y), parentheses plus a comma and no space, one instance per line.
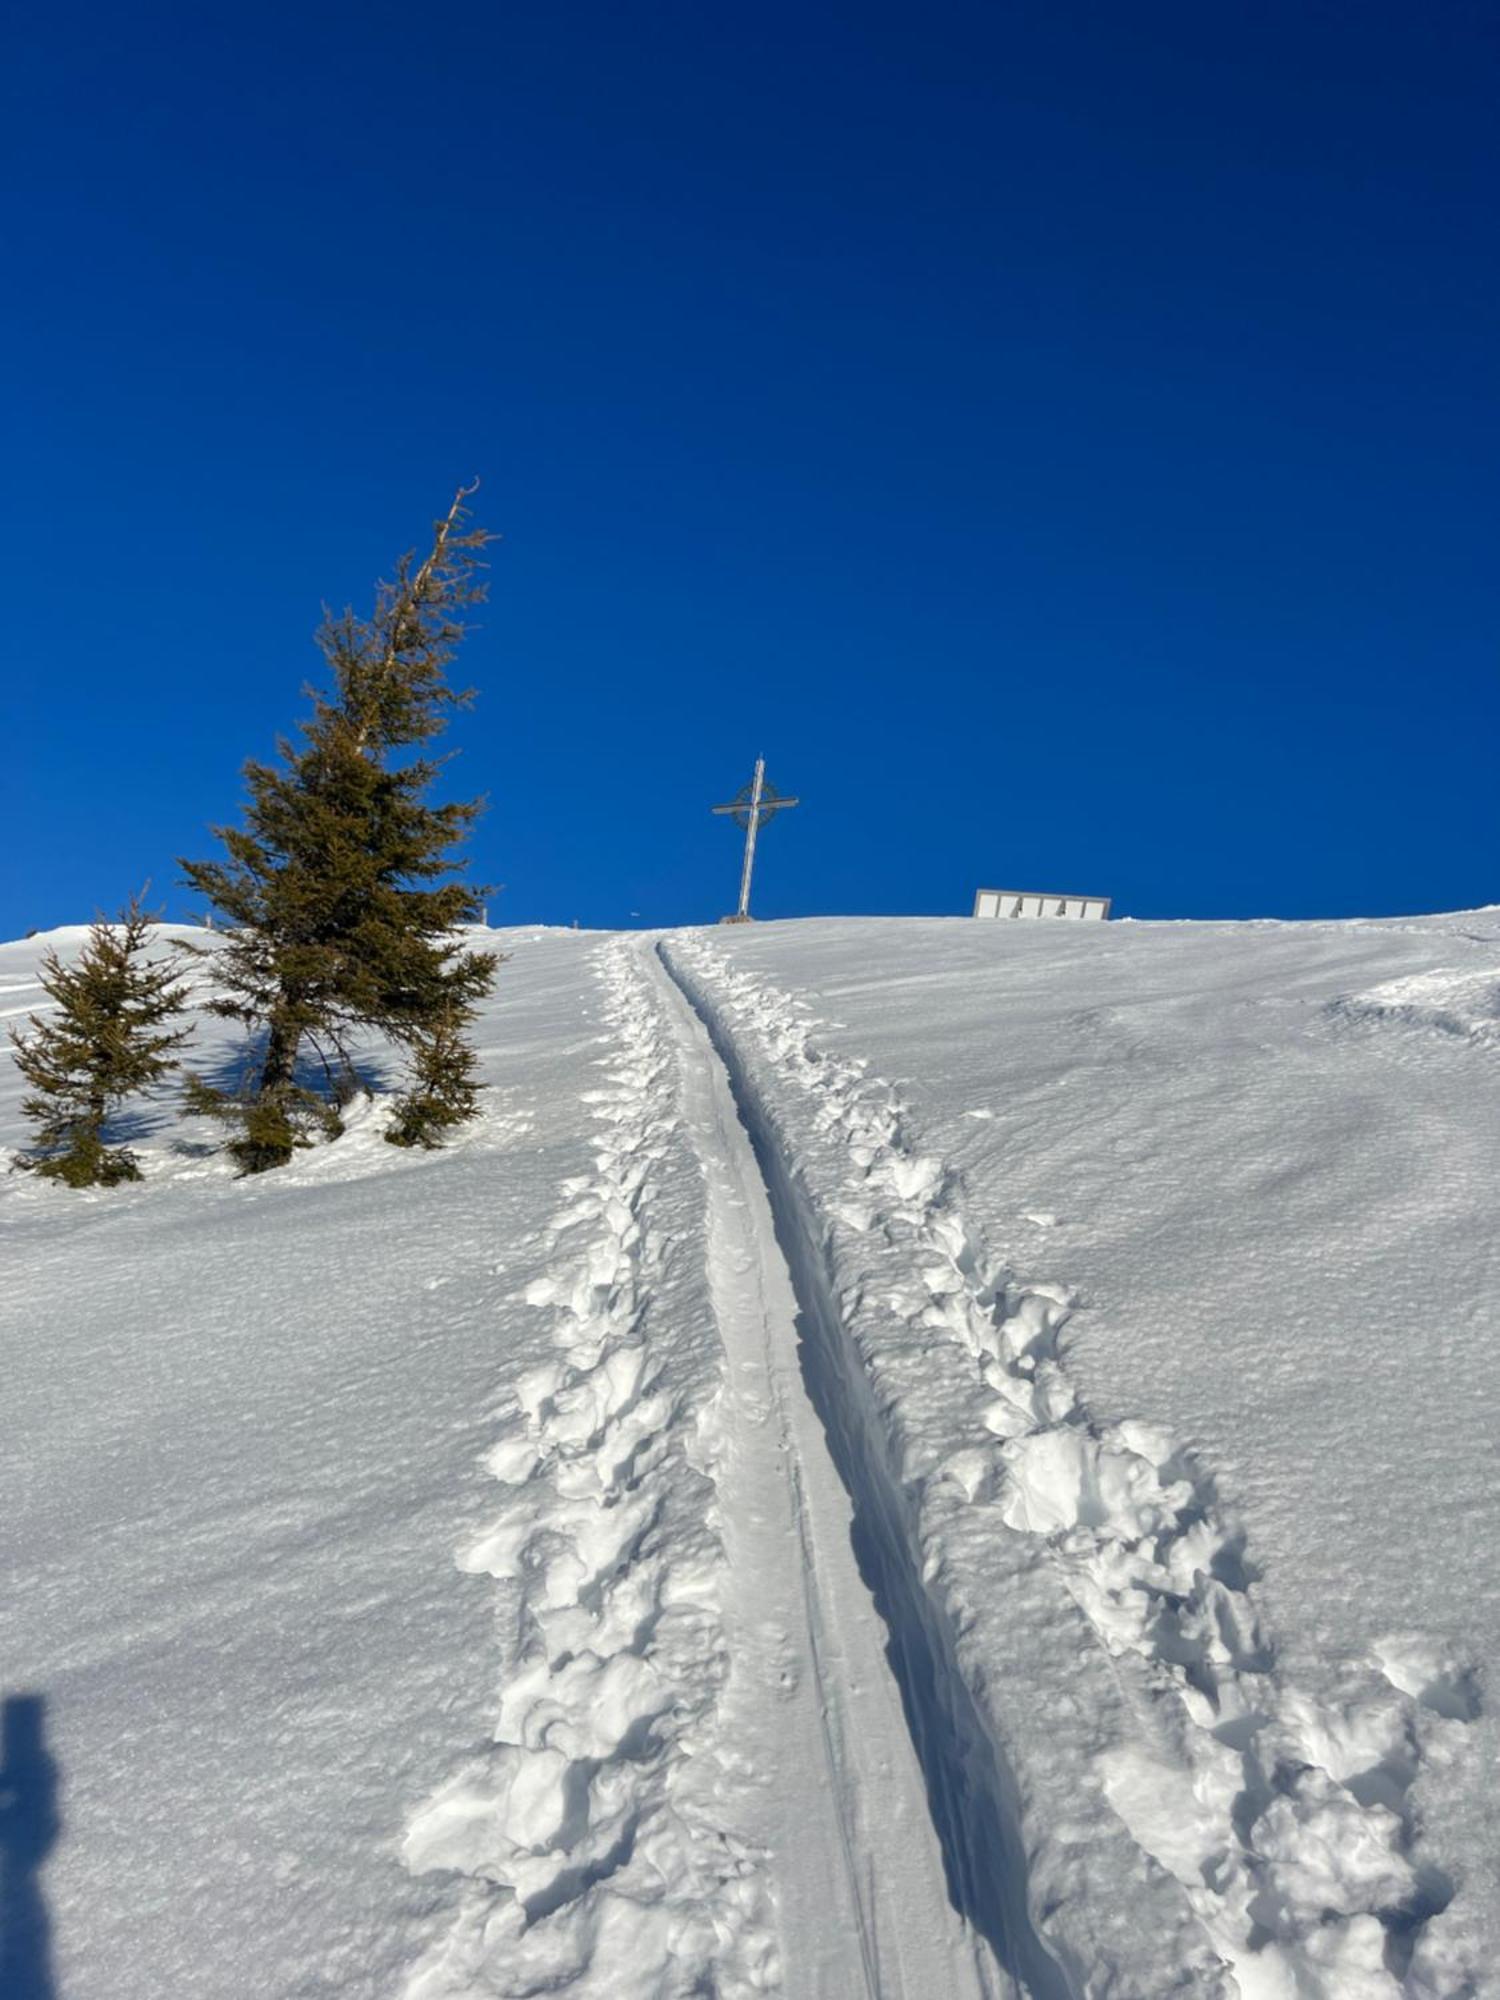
(270,1131)
(281,1058)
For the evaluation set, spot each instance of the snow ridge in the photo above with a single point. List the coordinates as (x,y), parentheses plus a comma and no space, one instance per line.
(1283,1820)
(591,1831)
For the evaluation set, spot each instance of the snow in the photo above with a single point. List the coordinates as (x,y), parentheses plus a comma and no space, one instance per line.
(1217,1272)
(904,1458)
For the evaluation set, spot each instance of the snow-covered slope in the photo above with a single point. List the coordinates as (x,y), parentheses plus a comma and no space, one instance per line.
(1014,1514)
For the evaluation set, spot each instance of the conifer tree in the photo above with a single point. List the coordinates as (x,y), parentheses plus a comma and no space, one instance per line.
(444,1085)
(338,892)
(109,1039)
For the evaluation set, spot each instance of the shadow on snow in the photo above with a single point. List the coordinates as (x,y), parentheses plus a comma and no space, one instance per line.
(29,1826)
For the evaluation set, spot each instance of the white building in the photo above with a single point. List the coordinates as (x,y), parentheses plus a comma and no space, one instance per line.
(1026,903)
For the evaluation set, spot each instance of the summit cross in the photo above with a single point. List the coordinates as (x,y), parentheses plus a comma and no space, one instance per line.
(756,803)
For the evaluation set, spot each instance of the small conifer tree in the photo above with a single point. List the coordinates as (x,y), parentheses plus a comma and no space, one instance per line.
(109,1039)
(444,1087)
(337,891)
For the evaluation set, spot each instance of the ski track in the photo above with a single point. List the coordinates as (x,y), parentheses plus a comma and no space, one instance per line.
(817,1701)
(590,1834)
(1285,1819)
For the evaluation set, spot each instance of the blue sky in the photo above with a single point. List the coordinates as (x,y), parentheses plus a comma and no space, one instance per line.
(1062,437)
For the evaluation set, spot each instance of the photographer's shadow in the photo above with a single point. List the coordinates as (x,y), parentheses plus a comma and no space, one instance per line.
(29,1825)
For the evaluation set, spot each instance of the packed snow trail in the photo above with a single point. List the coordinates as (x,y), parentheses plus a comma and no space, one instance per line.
(1276,1826)
(701,1778)
(864,1905)
(598,1832)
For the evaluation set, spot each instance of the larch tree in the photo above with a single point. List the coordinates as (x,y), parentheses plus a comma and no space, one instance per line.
(109,1038)
(340,892)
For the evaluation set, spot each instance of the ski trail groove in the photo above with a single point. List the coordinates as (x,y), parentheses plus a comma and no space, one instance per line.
(1283,1819)
(860,1879)
(966,1794)
(590,1836)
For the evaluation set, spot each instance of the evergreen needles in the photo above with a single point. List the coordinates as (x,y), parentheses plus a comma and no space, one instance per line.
(444,1086)
(108,1039)
(337,890)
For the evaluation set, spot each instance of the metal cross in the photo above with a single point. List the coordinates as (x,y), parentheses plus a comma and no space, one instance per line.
(751,808)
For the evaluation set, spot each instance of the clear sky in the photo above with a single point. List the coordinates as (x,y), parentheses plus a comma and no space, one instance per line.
(1062,437)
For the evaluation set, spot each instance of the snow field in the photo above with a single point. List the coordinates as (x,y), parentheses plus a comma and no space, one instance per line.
(1025,1528)
(242,1419)
(643,1738)
(1283,1843)
(254,1413)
